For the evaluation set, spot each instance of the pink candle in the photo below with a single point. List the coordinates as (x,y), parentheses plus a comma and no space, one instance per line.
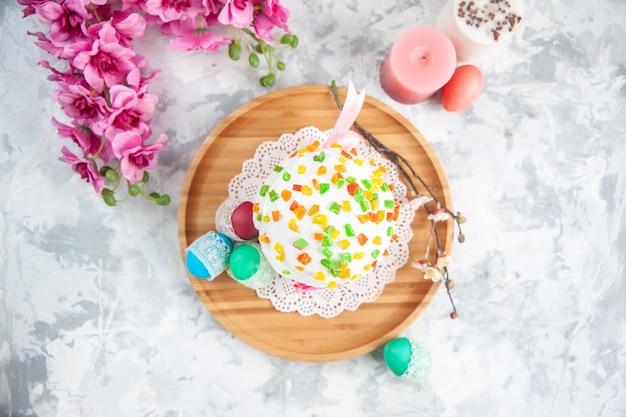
(421,61)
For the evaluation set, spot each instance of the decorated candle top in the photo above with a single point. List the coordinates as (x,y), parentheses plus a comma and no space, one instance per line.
(488,21)
(325,216)
(476,27)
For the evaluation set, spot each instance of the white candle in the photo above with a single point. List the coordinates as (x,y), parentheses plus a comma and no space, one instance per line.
(478,26)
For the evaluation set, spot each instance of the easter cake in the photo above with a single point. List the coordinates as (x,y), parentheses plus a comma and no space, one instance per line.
(325,216)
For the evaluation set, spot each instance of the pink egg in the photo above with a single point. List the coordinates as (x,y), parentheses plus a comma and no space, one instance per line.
(243,224)
(463,88)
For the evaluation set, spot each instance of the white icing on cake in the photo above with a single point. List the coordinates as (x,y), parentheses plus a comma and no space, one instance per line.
(325,217)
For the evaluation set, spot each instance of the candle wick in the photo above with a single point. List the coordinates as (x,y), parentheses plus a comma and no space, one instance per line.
(420,58)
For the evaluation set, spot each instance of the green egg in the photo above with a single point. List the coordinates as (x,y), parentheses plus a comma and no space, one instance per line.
(244,262)
(397,354)
(407,359)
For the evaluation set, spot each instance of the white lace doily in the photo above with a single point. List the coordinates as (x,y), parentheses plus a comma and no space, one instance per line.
(325,302)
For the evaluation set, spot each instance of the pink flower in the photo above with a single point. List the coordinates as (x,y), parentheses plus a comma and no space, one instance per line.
(263,26)
(31,6)
(78,103)
(168,11)
(129,111)
(89,143)
(107,62)
(47,45)
(132,5)
(61,77)
(128,26)
(85,168)
(276,13)
(269,16)
(211,6)
(132,26)
(190,36)
(134,156)
(71,50)
(136,81)
(238,13)
(65,19)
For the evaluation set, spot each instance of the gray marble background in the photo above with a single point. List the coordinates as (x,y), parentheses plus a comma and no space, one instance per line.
(97,317)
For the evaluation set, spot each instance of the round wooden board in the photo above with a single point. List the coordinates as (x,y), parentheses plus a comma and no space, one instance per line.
(237,308)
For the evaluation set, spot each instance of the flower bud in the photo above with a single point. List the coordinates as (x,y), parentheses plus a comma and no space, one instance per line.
(461,238)
(109,200)
(287,39)
(234,50)
(111,175)
(164,200)
(449,284)
(454,315)
(133,190)
(268,80)
(146,177)
(253,60)
(280,65)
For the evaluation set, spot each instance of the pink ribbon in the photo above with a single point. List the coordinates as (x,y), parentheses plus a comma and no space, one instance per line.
(301,288)
(341,132)
(347,138)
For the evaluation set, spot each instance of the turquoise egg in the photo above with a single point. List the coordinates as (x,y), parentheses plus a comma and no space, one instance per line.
(208,256)
(407,359)
(248,266)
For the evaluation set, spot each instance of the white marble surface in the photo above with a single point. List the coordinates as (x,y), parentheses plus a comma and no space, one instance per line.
(97,317)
